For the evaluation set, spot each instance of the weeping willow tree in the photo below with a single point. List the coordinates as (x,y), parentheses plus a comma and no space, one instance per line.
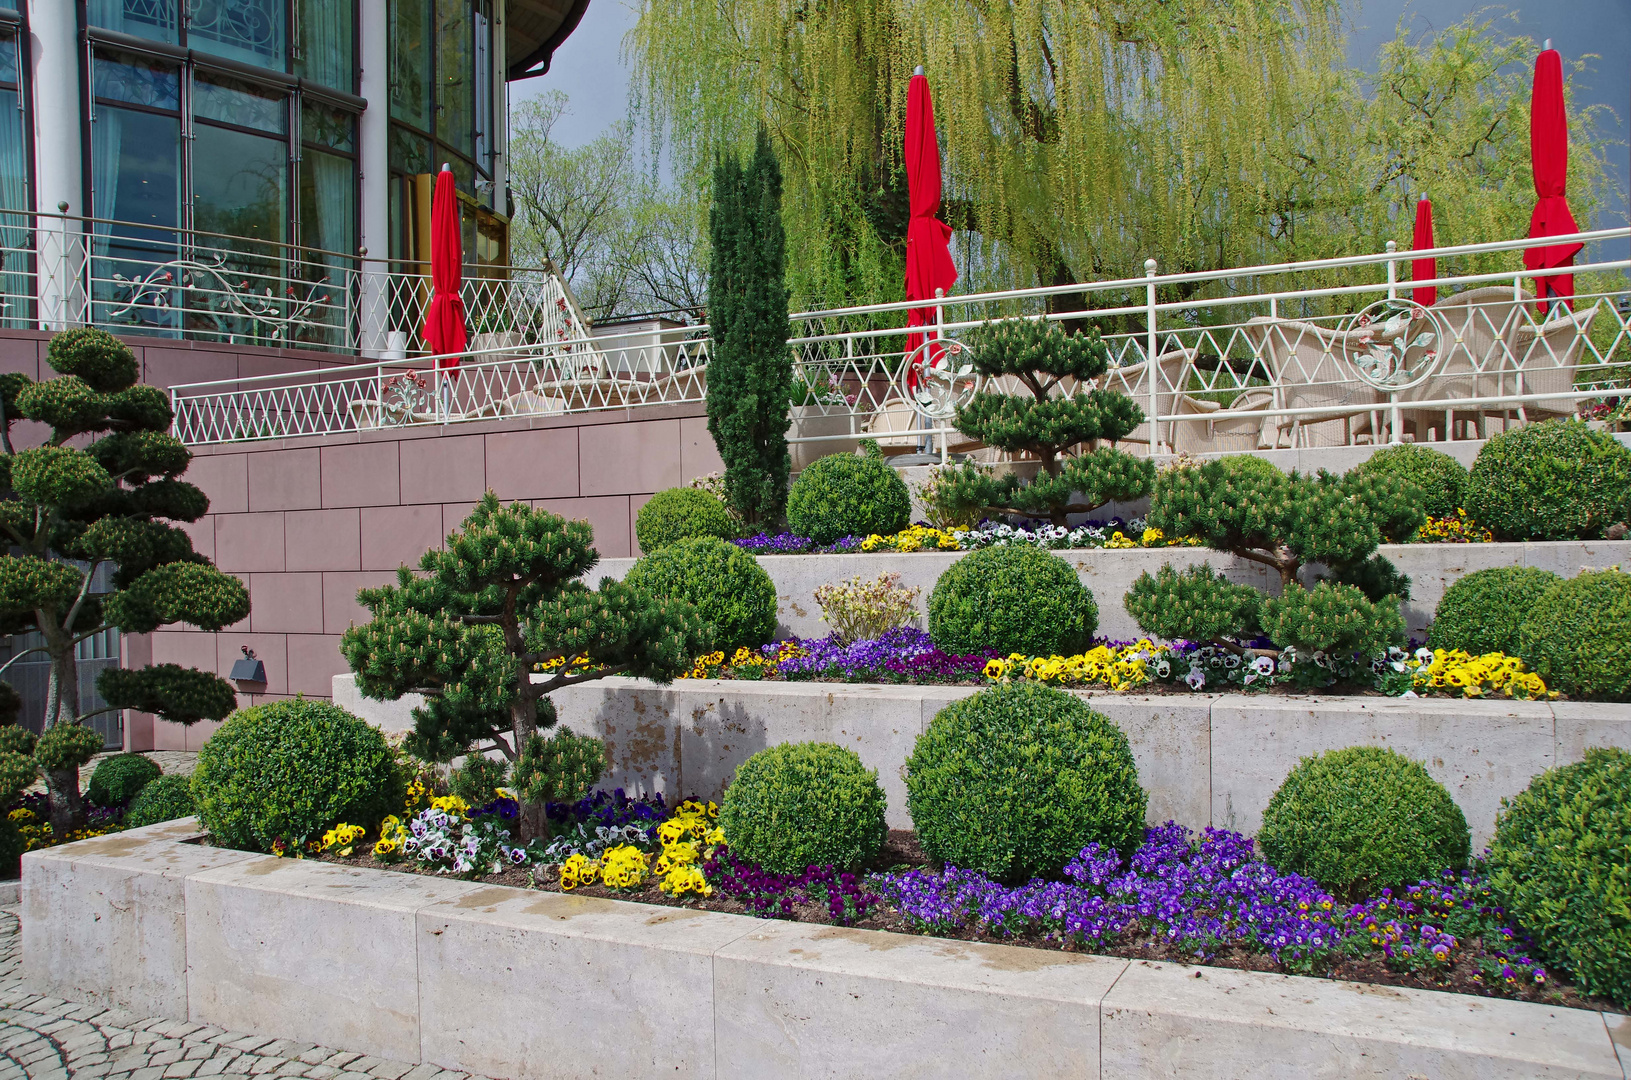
(1081,137)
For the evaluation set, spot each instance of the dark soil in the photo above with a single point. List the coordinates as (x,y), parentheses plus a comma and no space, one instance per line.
(902,852)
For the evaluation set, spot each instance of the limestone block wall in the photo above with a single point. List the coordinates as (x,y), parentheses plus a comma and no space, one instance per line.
(306,522)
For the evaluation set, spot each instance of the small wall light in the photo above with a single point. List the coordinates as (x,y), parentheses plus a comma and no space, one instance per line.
(247,669)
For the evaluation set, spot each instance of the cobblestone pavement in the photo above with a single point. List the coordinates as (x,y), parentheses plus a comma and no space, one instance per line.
(47,1038)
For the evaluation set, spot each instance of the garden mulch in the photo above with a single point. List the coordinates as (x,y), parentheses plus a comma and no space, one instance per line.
(902,852)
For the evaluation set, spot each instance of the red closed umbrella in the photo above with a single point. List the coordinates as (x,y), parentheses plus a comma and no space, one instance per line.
(444,322)
(1423,269)
(928,239)
(1549,154)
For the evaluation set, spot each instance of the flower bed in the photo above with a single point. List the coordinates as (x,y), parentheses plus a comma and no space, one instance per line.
(1207,899)
(907,655)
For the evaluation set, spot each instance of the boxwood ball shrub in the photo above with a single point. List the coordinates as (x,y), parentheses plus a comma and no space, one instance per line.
(1559,480)
(1481,612)
(286,771)
(1561,865)
(729,589)
(1441,479)
(1013,599)
(848,495)
(679,514)
(1018,778)
(1363,819)
(1578,636)
(117,779)
(804,804)
(165,799)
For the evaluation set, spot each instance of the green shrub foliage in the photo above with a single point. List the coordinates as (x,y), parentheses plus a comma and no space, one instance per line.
(564,767)
(478,779)
(290,770)
(677,514)
(66,746)
(118,779)
(1013,599)
(726,585)
(1560,865)
(848,495)
(17,740)
(1577,636)
(750,374)
(165,799)
(1041,356)
(1439,479)
(505,595)
(1017,779)
(1480,613)
(804,804)
(1557,480)
(104,489)
(1363,819)
(1245,506)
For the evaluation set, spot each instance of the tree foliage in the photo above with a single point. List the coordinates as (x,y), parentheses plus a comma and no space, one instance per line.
(750,374)
(502,600)
(1052,414)
(1081,138)
(103,490)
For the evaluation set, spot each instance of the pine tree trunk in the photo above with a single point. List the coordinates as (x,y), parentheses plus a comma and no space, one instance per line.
(62,707)
(532,822)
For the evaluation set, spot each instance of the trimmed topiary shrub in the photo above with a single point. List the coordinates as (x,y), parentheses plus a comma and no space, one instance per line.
(1559,480)
(478,779)
(1013,599)
(1363,819)
(804,804)
(165,799)
(1577,636)
(1017,779)
(679,514)
(1559,864)
(848,495)
(284,772)
(117,779)
(1440,478)
(1480,613)
(729,589)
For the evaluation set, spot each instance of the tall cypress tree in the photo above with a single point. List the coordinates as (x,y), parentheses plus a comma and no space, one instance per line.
(750,374)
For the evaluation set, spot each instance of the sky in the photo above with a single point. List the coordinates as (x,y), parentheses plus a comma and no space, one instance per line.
(591,69)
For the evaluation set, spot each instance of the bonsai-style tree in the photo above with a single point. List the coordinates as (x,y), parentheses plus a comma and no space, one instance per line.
(750,374)
(501,601)
(1041,357)
(1250,508)
(109,498)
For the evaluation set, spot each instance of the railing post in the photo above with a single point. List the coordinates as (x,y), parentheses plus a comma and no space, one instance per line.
(1152,367)
(1394,415)
(1392,272)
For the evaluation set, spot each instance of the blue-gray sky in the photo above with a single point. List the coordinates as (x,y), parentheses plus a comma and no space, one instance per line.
(590,66)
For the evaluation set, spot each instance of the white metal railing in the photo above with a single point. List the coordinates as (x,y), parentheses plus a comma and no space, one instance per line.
(1331,352)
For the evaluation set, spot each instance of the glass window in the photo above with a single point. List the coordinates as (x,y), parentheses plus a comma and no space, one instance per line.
(240,184)
(249,31)
(455,76)
(326,126)
(484,88)
(409,152)
(410,62)
(325,37)
(328,201)
(135,180)
(16,287)
(233,102)
(154,19)
(136,80)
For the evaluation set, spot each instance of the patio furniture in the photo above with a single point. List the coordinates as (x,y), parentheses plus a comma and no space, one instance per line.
(1476,360)
(1314,368)
(1186,436)
(1231,435)
(1547,357)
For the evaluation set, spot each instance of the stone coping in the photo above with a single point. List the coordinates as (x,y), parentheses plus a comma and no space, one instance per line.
(1108,573)
(1204,759)
(521,983)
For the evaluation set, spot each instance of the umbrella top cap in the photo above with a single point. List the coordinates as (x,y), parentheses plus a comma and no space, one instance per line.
(918,70)
(446,167)
(1548,44)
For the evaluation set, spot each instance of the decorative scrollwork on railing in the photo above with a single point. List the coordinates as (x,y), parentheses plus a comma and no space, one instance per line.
(938,379)
(1396,344)
(234,297)
(248,24)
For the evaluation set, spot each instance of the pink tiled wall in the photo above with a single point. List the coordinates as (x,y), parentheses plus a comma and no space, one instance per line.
(307,522)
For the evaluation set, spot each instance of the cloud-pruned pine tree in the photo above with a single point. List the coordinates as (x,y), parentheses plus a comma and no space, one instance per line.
(750,374)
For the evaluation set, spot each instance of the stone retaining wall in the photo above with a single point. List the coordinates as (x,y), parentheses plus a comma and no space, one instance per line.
(520,983)
(1204,759)
(1109,574)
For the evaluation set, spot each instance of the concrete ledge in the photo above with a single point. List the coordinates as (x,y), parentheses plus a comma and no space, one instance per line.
(518,983)
(1109,574)
(1203,759)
